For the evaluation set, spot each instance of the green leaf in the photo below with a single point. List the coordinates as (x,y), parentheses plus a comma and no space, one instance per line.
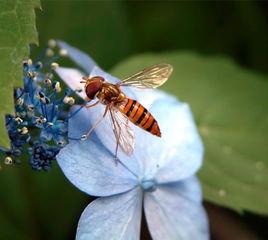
(17,31)
(38,205)
(45,205)
(230,106)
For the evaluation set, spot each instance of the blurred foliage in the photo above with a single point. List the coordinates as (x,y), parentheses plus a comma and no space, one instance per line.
(230,105)
(112,30)
(38,205)
(17,31)
(45,205)
(235,28)
(98,28)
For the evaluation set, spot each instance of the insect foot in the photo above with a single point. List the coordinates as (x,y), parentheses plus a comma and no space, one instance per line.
(84,137)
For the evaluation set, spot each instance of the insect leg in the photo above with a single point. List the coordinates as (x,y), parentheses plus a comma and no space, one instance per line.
(117,135)
(85,136)
(89,106)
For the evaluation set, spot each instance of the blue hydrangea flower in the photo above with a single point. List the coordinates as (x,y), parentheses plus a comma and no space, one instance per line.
(42,155)
(38,127)
(159,176)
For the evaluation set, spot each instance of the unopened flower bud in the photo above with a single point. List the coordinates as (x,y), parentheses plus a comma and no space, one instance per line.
(23,130)
(32,75)
(54,65)
(56,86)
(63,52)
(40,120)
(49,52)
(18,120)
(47,81)
(30,107)
(41,94)
(52,43)
(29,61)
(69,100)
(8,161)
(20,101)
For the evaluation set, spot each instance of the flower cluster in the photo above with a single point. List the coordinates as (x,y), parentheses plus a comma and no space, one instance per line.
(158,177)
(39,126)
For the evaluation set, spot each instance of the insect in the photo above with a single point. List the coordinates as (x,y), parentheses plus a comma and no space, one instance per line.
(123,110)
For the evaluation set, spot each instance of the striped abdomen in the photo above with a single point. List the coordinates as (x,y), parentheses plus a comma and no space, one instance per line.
(140,116)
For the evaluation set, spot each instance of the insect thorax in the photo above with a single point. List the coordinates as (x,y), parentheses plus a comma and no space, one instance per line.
(111,93)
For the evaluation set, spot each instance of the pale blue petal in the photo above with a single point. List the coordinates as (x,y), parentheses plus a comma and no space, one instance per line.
(86,118)
(92,169)
(175,212)
(178,153)
(147,97)
(72,78)
(112,218)
(189,188)
(82,120)
(79,57)
(97,71)
(174,156)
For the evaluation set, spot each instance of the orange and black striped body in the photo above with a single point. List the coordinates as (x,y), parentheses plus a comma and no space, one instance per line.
(140,116)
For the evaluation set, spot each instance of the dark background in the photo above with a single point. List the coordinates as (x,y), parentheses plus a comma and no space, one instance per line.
(45,205)
(113,30)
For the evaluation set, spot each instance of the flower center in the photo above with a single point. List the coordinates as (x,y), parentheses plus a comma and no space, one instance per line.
(148,183)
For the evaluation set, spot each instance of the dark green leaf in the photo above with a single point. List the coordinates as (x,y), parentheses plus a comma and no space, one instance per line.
(230,105)
(38,205)
(17,31)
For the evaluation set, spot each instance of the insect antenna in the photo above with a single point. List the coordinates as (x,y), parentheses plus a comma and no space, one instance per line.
(85,79)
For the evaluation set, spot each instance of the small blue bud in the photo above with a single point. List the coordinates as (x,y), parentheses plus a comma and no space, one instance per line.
(42,156)
(38,65)
(41,94)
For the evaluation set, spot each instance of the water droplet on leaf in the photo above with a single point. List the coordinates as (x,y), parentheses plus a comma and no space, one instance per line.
(222,193)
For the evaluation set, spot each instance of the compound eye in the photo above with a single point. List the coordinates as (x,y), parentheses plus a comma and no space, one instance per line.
(92,89)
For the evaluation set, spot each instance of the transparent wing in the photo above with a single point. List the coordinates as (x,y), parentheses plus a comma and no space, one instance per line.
(123,133)
(151,77)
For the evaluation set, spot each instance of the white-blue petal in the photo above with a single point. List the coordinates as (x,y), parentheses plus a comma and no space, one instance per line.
(83,119)
(112,218)
(148,96)
(72,78)
(97,71)
(86,118)
(79,57)
(92,169)
(178,153)
(175,212)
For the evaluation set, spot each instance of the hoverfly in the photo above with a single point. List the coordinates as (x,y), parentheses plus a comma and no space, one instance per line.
(122,109)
